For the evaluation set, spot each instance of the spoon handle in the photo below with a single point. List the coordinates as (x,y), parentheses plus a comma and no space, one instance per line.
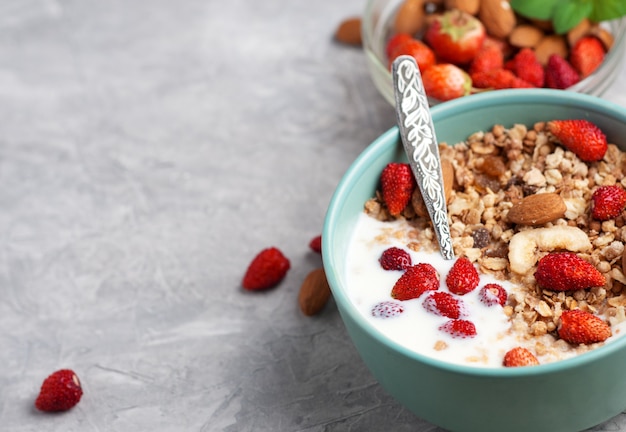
(420,144)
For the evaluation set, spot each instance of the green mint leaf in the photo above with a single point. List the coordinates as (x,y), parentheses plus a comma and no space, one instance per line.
(568,13)
(539,9)
(604,10)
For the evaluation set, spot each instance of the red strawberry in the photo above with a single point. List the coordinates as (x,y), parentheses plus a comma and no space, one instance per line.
(397,185)
(581,327)
(519,356)
(446,81)
(316,244)
(608,202)
(493,294)
(498,79)
(559,73)
(490,57)
(387,309)
(459,328)
(395,258)
(586,55)
(566,271)
(581,137)
(266,270)
(455,36)
(59,392)
(463,277)
(394,41)
(415,281)
(445,304)
(527,67)
(423,55)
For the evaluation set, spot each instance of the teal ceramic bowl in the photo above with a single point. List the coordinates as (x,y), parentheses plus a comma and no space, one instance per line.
(569,395)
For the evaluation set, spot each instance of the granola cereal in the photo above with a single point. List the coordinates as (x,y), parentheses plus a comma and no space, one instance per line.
(495,170)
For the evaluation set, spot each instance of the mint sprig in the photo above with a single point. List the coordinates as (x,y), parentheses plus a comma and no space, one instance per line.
(566,14)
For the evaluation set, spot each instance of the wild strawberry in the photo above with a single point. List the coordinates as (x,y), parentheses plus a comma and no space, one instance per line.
(415,281)
(581,137)
(423,55)
(519,356)
(394,41)
(586,55)
(59,392)
(459,328)
(463,277)
(455,36)
(395,258)
(527,67)
(608,202)
(316,244)
(266,270)
(566,271)
(446,81)
(498,79)
(397,184)
(492,294)
(560,74)
(387,309)
(445,304)
(489,57)
(581,327)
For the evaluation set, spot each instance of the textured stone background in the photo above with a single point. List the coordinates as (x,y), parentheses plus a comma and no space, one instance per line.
(148,150)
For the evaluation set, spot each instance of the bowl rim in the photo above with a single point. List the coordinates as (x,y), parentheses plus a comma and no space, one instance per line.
(378,147)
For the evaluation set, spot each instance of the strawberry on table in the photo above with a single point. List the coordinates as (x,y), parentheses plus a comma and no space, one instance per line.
(455,36)
(397,185)
(519,356)
(581,137)
(566,271)
(316,244)
(415,281)
(445,304)
(560,74)
(59,392)
(581,327)
(608,202)
(446,81)
(587,55)
(266,270)
(423,55)
(462,277)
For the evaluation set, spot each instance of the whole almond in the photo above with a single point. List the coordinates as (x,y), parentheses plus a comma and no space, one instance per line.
(579,30)
(410,17)
(498,17)
(525,36)
(537,209)
(469,6)
(551,44)
(447,171)
(314,292)
(349,31)
(605,36)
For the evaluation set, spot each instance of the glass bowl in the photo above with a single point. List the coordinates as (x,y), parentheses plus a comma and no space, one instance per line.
(376,29)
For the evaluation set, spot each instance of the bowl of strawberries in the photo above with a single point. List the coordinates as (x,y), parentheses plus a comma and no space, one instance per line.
(525,329)
(468,47)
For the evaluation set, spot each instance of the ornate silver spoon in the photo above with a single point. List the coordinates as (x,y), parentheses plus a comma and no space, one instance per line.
(420,144)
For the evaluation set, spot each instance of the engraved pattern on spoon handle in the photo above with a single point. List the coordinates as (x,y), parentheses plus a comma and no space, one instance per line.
(420,143)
